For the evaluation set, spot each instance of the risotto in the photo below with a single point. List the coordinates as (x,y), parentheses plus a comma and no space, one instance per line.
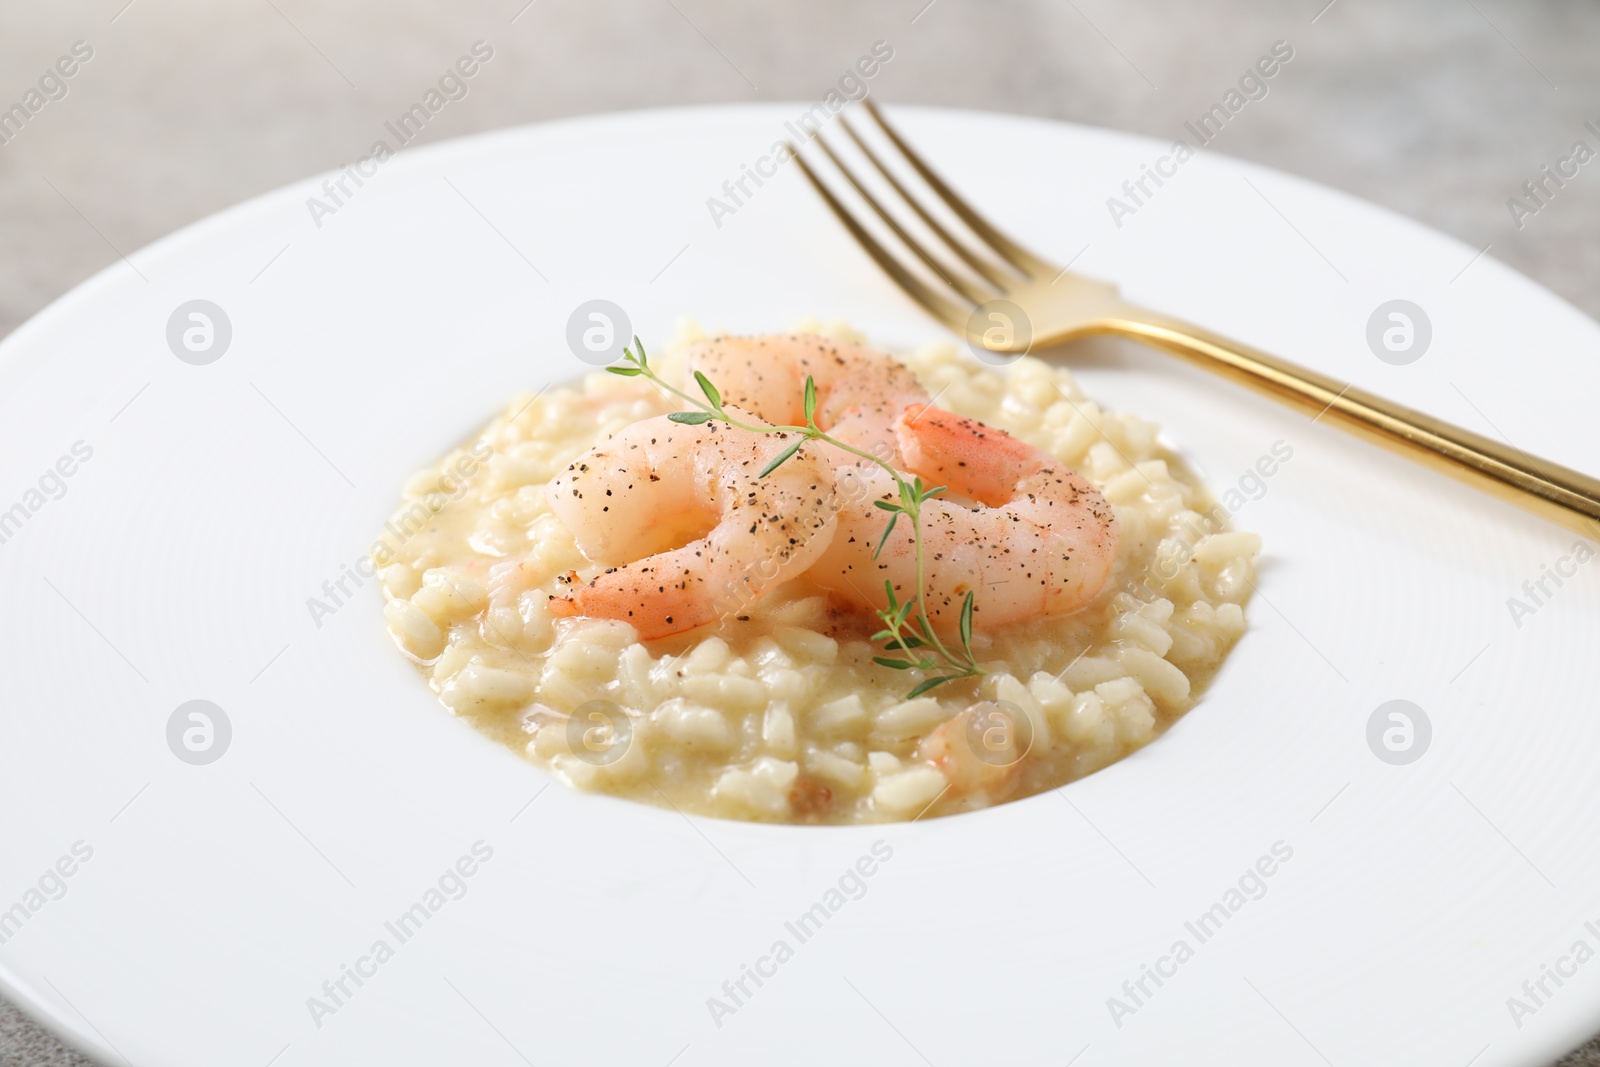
(779,713)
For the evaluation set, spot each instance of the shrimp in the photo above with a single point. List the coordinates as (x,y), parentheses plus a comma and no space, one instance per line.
(687,524)
(980,748)
(860,391)
(1038,541)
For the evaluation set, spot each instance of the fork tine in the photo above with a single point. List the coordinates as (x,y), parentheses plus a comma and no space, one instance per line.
(979,264)
(1003,246)
(939,306)
(946,275)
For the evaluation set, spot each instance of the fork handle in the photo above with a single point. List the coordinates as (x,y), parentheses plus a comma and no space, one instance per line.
(1547,489)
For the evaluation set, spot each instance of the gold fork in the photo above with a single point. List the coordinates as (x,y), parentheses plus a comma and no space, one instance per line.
(1007,300)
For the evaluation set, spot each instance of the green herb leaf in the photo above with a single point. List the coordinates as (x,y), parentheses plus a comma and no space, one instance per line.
(710,390)
(966,624)
(690,418)
(811,399)
(897,664)
(626,372)
(904,641)
(887,530)
(931,683)
(887,505)
(781,457)
(928,494)
(640,346)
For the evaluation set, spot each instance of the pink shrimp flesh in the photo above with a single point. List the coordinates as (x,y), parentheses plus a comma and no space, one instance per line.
(1038,541)
(860,390)
(690,528)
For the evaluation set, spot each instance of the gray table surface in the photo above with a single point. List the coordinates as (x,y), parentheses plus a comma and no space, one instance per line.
(1438,109)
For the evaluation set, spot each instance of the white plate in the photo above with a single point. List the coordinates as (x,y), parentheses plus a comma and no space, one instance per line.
(177,566)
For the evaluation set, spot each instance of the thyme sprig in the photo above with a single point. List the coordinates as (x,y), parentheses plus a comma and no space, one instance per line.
(910,639)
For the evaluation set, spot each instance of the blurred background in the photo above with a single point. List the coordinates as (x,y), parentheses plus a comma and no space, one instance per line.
(1437,109)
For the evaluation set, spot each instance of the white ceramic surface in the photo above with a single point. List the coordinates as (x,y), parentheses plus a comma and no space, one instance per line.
(218,498)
